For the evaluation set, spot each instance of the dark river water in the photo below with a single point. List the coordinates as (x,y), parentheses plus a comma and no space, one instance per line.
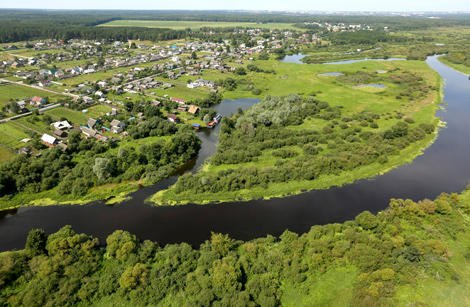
(444,167)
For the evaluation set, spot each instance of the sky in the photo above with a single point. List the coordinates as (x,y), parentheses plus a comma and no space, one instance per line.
(299,5)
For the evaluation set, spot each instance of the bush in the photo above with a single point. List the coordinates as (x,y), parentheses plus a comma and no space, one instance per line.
(256,91)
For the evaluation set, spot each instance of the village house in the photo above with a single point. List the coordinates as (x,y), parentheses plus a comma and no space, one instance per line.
(49,139)
(44,83)
(62,125)
(92,122)
(37,101)
(117,126)
(173,118)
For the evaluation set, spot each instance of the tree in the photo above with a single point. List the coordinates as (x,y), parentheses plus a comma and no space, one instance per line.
(206,119)
(240,71)
(14,107)
(133,46)
(194,55)
(36,243)
(102,168)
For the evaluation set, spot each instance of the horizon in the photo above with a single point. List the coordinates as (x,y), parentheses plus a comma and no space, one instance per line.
(359,6)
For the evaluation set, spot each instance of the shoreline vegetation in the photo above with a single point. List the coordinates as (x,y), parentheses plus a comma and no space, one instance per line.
(411,253)
(179,195)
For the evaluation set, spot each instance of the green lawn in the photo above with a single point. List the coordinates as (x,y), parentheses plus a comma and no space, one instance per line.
(194,25)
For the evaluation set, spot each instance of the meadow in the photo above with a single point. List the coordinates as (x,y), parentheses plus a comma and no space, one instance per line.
(194,25)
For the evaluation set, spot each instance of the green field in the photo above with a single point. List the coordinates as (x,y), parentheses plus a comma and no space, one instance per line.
(76,117)
(194,25)
(19,92)
(11,134)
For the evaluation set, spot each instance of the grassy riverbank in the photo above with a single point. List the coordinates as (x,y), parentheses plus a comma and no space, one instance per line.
(337,91)
(458,67)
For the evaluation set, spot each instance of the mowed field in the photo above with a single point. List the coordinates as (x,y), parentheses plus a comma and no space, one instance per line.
(194,25)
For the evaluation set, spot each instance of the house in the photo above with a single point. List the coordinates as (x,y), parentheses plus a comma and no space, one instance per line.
(114,112)
(180,101)
(24,150)
(156,103)
(173,118)
(88,132)
(48,139)
(92,122)
(44,83)
(182,109)
(61,125)
(37,101)
(117,126)
(60,133)
(193,85)
(100,94)
(193,109)
(59,74)
(103,83)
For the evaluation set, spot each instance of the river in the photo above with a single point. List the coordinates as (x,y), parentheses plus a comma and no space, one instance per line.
(444,167)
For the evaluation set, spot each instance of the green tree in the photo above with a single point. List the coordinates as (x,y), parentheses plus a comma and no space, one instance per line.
(240,71)
(206,119)
(193,55)
(102,168)
(36,243)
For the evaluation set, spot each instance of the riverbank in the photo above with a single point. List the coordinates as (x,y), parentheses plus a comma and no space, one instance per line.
(458,67)
(422,111)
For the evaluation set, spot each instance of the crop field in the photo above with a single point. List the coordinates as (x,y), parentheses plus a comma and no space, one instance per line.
(18,92)
(11,134)
(194,25)
(35,123)
(6,154)
(75,117)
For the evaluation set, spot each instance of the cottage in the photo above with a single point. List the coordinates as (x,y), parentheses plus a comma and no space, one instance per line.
(60,133)
(88,132)
(37,101)
(117,126)
(193,109)
(173,118)
(49,139)
(44,83)
(91,123)
(180,101)
(61,125)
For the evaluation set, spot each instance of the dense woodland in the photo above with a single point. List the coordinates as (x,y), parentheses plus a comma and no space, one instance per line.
(340,143)
(359,263)
(23,25)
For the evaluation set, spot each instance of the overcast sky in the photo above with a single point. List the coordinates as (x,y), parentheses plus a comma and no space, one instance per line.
(307,5)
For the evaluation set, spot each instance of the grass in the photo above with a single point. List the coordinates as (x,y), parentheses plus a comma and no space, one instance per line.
(305,79)
(194,25)
(6,154)
(19,92)
(98,110)
(36,124)
(459,67)
(77,117)
(11,134)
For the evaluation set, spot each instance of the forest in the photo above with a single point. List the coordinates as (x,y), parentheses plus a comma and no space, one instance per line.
(368,261)
(24,25)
